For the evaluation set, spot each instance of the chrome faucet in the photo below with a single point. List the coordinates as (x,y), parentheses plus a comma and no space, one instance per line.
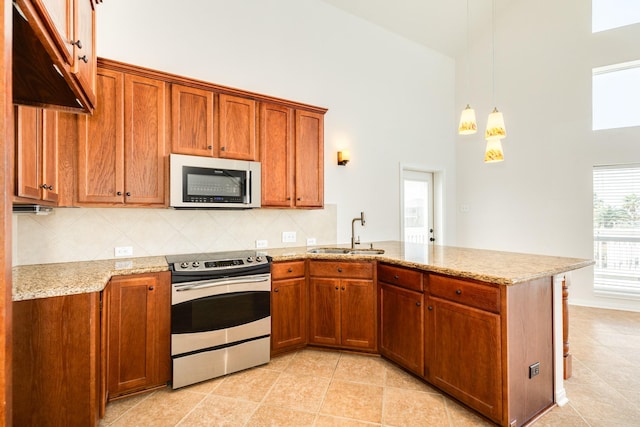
(355,242)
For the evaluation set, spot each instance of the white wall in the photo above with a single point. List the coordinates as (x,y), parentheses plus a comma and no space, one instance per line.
(389,100)
(539,199)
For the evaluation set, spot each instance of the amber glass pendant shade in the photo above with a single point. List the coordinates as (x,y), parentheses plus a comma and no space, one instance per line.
(495,125)
(493,153)
(468,125)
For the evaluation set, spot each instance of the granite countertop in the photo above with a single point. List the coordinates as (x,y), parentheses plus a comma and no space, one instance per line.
(502,268)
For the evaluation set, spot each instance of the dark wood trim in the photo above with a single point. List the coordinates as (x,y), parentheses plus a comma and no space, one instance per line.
(199,84)
(566,354)
(6,185)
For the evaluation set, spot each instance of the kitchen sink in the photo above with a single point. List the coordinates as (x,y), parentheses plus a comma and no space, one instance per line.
(346,251)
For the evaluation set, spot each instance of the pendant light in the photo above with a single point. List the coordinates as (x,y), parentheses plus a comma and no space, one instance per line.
(496,130)
(468,125)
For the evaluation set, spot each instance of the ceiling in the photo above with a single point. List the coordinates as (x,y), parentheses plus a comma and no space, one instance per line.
(438,24)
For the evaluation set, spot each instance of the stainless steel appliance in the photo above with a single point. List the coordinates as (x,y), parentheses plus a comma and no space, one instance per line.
(209,182)
(220,314)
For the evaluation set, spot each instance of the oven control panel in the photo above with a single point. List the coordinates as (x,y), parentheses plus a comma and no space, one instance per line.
(216,261)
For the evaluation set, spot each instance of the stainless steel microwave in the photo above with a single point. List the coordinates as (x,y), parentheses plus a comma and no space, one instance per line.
(208,182)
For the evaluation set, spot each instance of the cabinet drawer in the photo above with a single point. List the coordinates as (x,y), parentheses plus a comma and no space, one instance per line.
(341,269)
(484,297)
(409,279)
(286,270)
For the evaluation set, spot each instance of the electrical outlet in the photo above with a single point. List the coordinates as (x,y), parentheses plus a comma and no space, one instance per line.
(534,370)
(311,241)
(464,208)
(260,244)
(121,251)
(288,236)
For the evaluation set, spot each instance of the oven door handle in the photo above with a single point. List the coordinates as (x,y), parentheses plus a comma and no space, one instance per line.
(191,286)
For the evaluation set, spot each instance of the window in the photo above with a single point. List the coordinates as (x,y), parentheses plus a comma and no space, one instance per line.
(616,89)
(616,230)
(417,206)
(608,14)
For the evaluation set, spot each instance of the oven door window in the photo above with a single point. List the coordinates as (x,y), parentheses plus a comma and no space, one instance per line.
(214,185)
(219,312)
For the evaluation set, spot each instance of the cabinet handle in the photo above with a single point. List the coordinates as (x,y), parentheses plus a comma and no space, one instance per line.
(299,198)
(222,148)
(77,43)
(288,198)
(276,290)
(418,304)
(337,288)
(119,193)
(458,291)
(339,270)
(83,58)
(395,277)
(128,193)
(430,308)
(343,288)
(151,288)
(209,147)
(290,270)
(43,186)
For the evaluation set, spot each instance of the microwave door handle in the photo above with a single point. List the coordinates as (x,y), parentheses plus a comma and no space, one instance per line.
(209,284)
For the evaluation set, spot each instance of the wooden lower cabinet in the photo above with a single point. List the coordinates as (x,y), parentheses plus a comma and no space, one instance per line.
(288,306)
(56,361)
(342,305)
(465,354)
(139,355)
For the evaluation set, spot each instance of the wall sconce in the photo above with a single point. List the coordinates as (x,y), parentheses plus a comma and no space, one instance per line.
(343,157)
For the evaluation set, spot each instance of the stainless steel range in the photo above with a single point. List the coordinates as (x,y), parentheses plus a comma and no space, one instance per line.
(220,314)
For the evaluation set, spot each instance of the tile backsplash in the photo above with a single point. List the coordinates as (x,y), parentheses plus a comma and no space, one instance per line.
(82,234)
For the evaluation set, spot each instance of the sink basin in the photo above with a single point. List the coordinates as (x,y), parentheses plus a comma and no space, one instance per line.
(346,251)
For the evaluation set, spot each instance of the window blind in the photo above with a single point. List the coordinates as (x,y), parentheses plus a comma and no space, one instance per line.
(616,230)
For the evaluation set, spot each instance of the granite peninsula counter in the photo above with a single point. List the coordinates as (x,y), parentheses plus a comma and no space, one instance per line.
(502,268)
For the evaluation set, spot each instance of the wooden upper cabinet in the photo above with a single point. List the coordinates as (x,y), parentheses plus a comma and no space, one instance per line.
(192,120)
(276,154)
(121,148)
(309,184)
(237,128)
(36,154)
(59,18)
(84,47)
(101,144)
(144,140)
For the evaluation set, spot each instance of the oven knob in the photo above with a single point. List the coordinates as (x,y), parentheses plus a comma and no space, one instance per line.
(250,259)
(259,259)
(195,264)
(184,265)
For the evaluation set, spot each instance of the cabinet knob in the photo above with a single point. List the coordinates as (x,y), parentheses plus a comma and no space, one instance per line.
(430,308)
(290,270)
(43,186)
(418,304)
(222,148)
(431,239)
(458,291)
(395,277)
(77,43)
(343,288)
(128,193)
(119,193)
(50,188)
(288,198)
(339,270)
(83,58)
(299,198)
(276,290)
(151,288)
(209,147)
(337,288)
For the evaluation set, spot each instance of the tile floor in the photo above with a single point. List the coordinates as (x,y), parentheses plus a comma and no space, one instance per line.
(324,388)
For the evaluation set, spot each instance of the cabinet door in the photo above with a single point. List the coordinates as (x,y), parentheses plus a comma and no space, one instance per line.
(58,17)
(191,121)
(402,327)
(84,47)
(464,355)
(309,175)
(101,144)
(288,314)
(139,333)
(50,187)
(144,140)
(276,154)
(237,128)
(358,314)
(324,311)
(28,152)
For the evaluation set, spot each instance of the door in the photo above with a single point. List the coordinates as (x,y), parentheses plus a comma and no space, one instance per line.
(276,155)
(324,311)
(50,187)
(288,313)
(237,128)
(309,165)
(417,207)
(358,314)
(28,152)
